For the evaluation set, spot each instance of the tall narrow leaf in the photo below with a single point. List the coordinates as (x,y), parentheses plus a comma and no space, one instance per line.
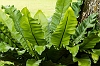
(41,18)
(61,7)
(32,31)
(82,27)
(61,36)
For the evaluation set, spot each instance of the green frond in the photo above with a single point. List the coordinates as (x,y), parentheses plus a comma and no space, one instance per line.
(82,27)
(65,29)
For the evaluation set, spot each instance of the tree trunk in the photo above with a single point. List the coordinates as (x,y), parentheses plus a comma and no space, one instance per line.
(89,7)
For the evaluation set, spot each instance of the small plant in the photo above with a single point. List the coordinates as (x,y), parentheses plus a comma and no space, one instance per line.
(35,41)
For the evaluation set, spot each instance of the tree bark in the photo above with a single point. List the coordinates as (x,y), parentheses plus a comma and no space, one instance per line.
(89,7)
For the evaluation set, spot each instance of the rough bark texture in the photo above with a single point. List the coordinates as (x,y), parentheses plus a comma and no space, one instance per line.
(89,7)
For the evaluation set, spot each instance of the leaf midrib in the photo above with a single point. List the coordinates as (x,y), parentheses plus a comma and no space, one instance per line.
(63,31)
(32,32)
